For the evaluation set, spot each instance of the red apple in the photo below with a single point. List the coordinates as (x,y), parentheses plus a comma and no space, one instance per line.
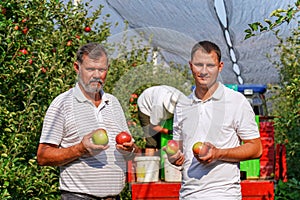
(87,29)
(135,96)
(16,27)
(44,70)
(123,137)
(69,43)
(172,147)
(100,137)
(3,11)
(24,51)
(200,149)
(25,30)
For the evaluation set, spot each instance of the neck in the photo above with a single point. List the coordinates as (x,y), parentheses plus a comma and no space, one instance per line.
(94,97)
(205,92)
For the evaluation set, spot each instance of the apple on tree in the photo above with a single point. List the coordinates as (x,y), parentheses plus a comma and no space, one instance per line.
(100,137)
(43,69)
(24,51)
(69,43)
(172,147)
(87,29)
(123,137)
(25,30)
(200,149)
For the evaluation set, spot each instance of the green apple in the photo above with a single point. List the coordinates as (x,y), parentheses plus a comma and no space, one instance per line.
(172,147)
(100,137)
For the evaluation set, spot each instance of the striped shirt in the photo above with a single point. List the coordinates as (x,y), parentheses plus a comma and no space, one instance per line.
(71,116)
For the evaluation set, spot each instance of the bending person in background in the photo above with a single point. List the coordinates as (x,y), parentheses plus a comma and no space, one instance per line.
(156,104)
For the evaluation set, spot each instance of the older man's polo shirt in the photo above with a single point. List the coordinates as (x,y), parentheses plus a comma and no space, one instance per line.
(71,116)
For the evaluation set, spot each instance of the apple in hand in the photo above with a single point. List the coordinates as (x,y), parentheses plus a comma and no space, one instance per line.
(123,137)
(100,137)
(200,149)
(172,147)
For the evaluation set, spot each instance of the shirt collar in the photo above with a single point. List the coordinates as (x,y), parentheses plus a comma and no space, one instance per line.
(217,95)
(81,98)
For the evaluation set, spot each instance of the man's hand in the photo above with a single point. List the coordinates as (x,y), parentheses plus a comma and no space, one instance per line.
(91,148)
(176,159)
(210,156)
(126,148)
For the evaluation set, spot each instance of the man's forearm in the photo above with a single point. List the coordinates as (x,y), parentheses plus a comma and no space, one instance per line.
(51,155)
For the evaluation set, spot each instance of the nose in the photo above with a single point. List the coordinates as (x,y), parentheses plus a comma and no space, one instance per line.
(203,70)
(97,73)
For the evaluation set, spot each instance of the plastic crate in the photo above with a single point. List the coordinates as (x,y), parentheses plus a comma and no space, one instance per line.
(267,160)
(251,167)
(232,86)
(168,124)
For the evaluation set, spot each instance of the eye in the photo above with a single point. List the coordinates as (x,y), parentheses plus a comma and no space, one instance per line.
(103,70)
(199,65)
(90,69)
(210,65)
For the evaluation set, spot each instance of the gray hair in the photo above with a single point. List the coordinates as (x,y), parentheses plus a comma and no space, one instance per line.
(93,50)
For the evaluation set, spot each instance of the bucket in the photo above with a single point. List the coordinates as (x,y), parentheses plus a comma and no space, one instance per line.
(147,168)
(172,172)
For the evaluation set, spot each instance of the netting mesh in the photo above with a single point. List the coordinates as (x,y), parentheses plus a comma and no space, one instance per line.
(174,26)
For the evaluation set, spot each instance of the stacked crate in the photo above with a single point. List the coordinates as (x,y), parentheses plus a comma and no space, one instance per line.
(267,159)
(251,168)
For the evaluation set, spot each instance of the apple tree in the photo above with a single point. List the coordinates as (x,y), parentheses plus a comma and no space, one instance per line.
(38,42)
(286,98)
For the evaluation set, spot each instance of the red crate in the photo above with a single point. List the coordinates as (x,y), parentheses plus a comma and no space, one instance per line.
(155,191)
(268,152)
(267,169)
(251,190)
(257,190)
(266,126)
(267,159)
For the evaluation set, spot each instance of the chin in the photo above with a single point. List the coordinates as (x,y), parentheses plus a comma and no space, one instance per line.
(90,89)
(96,90)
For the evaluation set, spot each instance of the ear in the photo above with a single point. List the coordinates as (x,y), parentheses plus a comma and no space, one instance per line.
(76,67)
(190,63)
(221,65)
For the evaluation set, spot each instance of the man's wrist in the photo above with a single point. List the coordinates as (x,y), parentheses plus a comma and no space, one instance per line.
(131,154)
(81,149)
